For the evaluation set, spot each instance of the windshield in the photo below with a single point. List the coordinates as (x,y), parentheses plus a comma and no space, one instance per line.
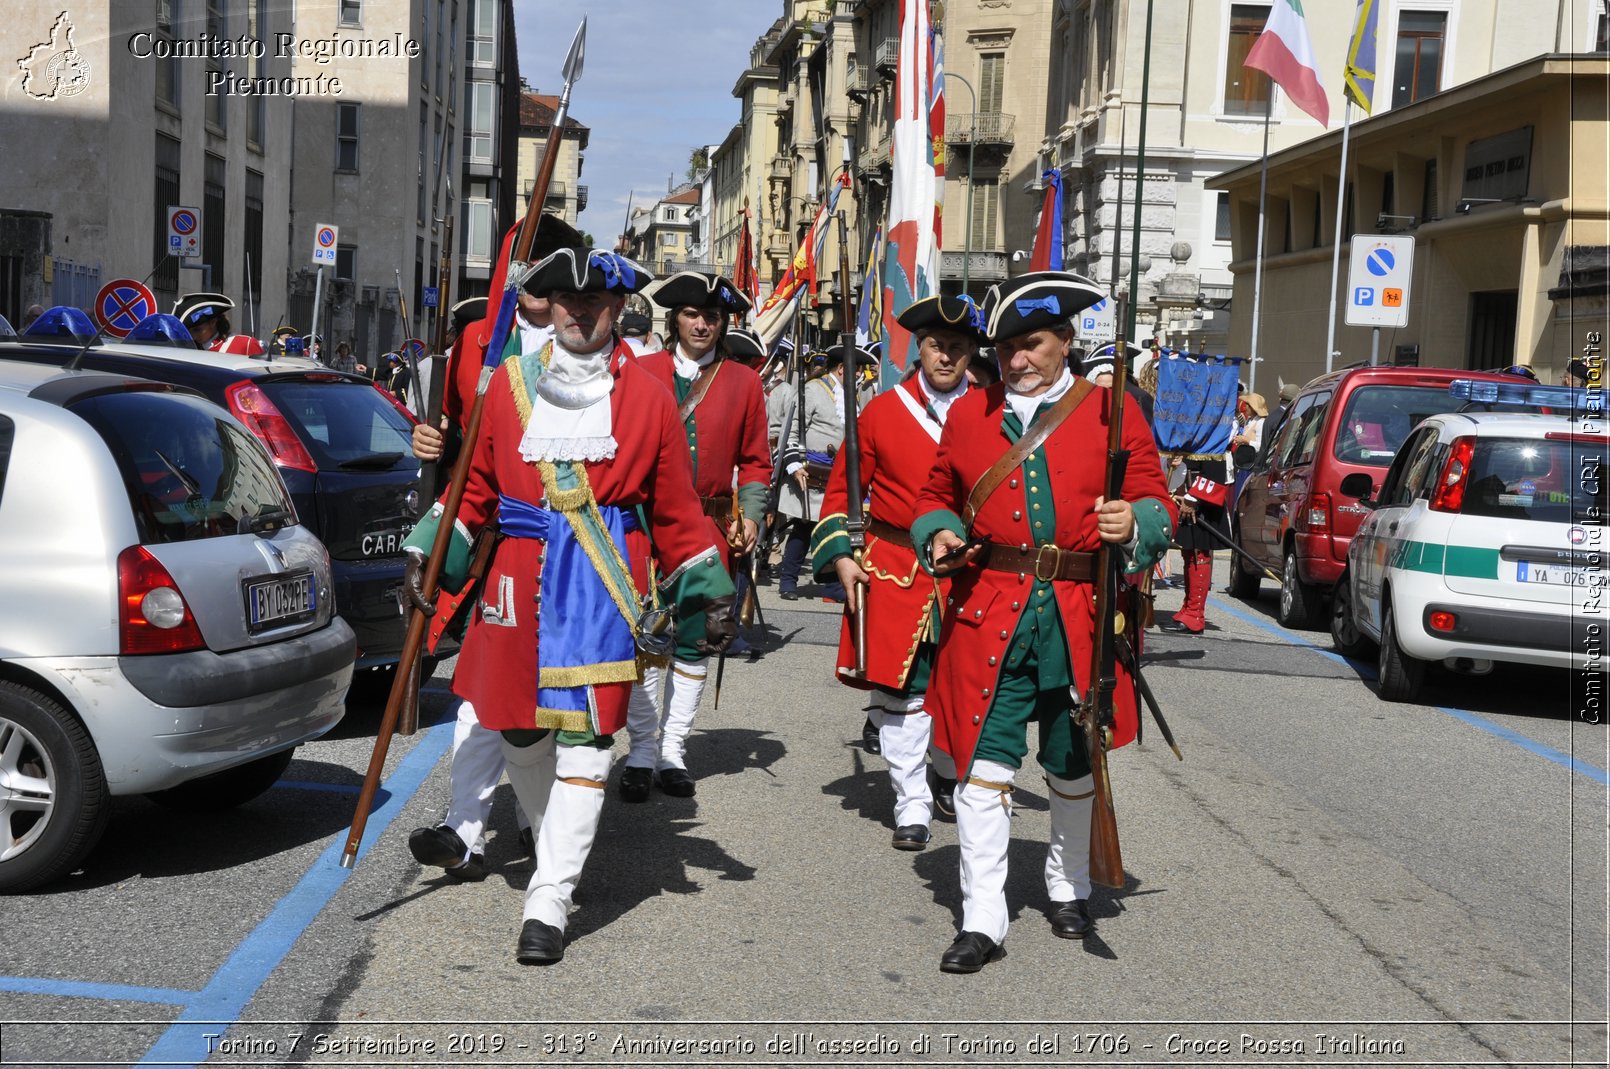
(190,471)
(1531,479)
(1379,418)
(344,424)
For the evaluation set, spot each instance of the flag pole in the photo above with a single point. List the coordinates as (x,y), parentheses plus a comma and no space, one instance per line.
(1336,249)
(1257,271)
(1140,178)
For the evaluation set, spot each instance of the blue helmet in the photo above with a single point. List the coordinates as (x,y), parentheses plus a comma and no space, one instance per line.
(63,323)
(161,329)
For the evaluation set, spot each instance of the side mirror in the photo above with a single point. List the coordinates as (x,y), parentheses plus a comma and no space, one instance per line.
(1358,485)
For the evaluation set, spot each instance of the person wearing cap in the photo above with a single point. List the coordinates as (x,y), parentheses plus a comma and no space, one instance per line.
(722,409)
(898,433)
(1576,375)
(457,844)
(583,462)
(1018,534)
(808,464)
(344,360)
(204,316)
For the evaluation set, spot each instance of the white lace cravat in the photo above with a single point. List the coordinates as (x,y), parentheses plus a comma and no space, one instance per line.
(571,416)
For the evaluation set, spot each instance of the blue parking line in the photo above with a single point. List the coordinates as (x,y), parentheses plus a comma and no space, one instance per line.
(1475,720)
(32,985)
(210,1010)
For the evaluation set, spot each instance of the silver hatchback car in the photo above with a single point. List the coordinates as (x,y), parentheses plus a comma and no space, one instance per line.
(166,624)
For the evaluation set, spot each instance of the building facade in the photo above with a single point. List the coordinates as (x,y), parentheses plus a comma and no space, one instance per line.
(566,195)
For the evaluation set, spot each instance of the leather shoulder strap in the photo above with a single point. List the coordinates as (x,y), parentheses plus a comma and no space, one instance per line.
(1013,458)
(701,386)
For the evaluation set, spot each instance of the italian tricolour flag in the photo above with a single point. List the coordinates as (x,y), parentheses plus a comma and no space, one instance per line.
(1284,52)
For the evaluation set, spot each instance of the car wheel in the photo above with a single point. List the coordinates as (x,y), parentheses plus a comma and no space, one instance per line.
(1244,582)
(1298,600)
(1344,633)
(1401,674)
(226,789)
(53,796)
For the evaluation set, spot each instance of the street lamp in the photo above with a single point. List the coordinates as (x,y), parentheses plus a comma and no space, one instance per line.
(972,147)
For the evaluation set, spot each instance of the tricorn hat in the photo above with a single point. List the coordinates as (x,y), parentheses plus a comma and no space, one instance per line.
(835,357)
(959,314)
(192,308)
(1037,301)
(698,289)
(467,311)
(745,345)
(586,271)
(553,234)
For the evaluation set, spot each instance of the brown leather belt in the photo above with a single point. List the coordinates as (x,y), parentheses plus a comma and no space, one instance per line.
(1052,563)
(816,475)
(888,532)
(718,507)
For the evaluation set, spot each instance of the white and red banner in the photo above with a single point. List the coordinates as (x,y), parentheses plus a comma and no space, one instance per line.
(1285,52)
(771,318)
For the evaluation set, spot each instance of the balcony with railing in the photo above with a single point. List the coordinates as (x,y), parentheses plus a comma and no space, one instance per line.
(581,198)
(859,83)
(875,154)
(982,266)
(782,168)
(992,128)
(886,58)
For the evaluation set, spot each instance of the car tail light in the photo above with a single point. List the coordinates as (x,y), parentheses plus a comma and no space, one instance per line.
(251,406)
(1442,621)
(1317,514)
(153,616)
(398,405)
(1450,492)
(1573,436)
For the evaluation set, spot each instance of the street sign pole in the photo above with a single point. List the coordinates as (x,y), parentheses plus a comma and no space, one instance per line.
(318,298)
(1375,346)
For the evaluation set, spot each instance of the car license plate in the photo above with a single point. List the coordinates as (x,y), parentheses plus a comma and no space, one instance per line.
(280,600)
(1557,574)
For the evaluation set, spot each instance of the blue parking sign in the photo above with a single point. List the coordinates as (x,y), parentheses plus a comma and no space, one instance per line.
(432,296)
(1364,296)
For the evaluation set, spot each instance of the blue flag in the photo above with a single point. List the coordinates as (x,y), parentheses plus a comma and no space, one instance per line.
(1195,407)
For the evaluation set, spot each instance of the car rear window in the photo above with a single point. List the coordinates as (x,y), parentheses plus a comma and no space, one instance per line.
(344,424)
(1378,418)
(1532,479)
(190,471)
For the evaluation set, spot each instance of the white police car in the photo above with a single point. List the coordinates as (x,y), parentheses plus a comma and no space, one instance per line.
(1484,542)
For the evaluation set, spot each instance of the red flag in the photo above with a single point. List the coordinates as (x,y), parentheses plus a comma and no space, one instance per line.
(1047,255)
(744,273)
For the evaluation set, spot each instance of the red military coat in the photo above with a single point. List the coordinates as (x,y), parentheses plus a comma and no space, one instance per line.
(729,434)
(897,452)
(497,668)
(984,605)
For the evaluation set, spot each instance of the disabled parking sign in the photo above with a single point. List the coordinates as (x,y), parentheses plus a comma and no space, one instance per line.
(1378,275)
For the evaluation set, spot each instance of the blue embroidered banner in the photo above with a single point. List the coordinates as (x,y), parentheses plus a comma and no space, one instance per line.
(1195,407)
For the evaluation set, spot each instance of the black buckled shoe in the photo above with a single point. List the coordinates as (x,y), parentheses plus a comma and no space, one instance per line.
(944,792)
(911,837)
(969,953)
(540,944)
(676,782)
(1071,920)
(635,783)
(869,737)
(441,847)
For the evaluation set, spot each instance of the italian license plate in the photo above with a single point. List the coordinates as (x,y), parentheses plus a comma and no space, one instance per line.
(281,600)
(1557,574)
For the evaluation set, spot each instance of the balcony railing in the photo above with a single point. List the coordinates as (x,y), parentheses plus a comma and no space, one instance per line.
(984,128)
(981,266)
(887,57)
(581,198)
(859,84)
(782,167)
(873,156)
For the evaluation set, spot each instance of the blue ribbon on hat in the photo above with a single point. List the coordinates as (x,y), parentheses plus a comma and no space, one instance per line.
(1050,304)
(617,270)
(975,317)
(726,295)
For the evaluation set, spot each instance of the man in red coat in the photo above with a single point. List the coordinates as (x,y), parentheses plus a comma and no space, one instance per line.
(722,409)
(899,433)
(578,450)
(1016,641)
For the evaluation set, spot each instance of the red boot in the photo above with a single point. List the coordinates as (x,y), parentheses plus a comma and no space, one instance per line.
(1198,578)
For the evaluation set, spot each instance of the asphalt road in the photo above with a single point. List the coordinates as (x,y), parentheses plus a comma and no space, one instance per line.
(1327,878)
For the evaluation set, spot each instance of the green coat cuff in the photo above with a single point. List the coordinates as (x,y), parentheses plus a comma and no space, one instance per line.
(697,583)
(456,565)
(1155,534)
(752,499)
(929,524)
(829,542)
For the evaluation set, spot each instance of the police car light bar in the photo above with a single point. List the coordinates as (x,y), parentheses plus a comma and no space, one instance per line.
(1528,394)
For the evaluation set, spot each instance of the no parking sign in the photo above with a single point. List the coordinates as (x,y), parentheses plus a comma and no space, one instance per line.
(324,239)
(121,304)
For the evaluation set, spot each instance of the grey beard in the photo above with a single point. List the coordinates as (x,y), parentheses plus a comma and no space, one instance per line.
(575,381)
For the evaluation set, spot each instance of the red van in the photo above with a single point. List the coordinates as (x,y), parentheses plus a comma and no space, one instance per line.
(1291,513)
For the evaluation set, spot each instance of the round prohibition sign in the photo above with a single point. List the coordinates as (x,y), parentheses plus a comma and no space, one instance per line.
(121,304)
(1380,262)
(184,222)
(326,237)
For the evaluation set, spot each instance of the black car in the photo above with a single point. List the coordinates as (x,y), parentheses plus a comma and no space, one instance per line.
(342,447)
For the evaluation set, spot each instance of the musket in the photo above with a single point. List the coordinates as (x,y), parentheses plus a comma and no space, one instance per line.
(1229,544)
(518,272)
(1126,653)
(734,540)
(439,368)
(854,513)
(1095,710)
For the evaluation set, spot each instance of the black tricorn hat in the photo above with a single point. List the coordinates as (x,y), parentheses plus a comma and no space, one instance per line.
(698,289)
(192,308)
(945,313)
(468,311)
(586,271)
(745,345)
(553,234)
(1037,301)
(835,357)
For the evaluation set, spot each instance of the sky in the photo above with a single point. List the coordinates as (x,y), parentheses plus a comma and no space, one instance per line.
(656,84)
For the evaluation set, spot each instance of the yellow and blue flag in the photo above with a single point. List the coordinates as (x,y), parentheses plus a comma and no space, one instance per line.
(1360,73)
